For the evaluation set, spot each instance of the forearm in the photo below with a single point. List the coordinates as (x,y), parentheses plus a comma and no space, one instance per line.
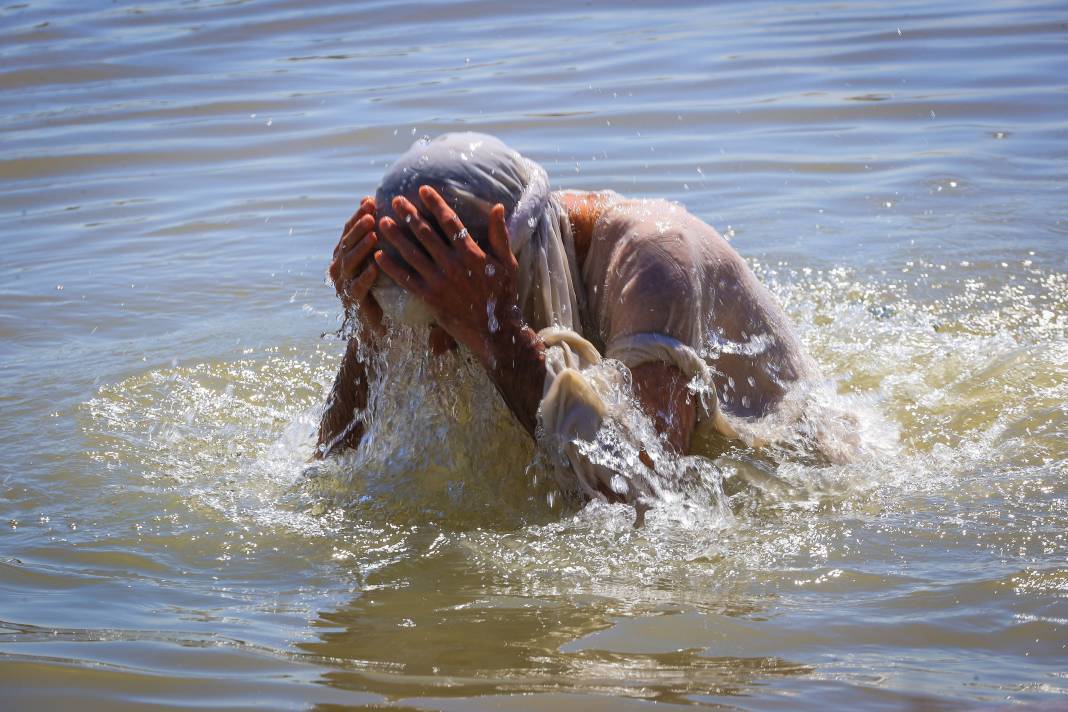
(515,361)
(340,426)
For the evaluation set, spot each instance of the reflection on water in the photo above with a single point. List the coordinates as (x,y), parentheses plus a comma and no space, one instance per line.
(175,175)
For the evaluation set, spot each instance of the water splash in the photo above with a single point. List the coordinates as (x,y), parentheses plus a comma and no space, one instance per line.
(972,384)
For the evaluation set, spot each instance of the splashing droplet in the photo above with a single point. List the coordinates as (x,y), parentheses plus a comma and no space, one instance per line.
(491,308)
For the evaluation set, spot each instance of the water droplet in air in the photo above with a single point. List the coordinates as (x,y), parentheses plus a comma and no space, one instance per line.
(493,324)
(490,270)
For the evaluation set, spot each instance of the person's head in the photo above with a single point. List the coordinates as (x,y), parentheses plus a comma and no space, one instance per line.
(474,172)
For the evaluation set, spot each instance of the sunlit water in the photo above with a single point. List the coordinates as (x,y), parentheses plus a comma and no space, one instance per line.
(174,176)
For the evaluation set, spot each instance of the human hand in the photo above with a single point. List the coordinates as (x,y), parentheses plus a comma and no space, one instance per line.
(472,292)
(351,269)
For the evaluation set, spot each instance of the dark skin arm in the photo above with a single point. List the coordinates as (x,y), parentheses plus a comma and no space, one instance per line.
(353,273)
(339,428)
(663,396)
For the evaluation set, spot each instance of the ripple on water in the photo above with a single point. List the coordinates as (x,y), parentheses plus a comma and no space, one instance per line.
(962,399)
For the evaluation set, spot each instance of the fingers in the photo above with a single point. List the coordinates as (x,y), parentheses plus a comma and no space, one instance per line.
(354,247)
(498,236)
(361,227)
(367,207)
(358,288)
(352,260)
(446,217)
(407,248)
(400,273)
(450,223)
(429,239)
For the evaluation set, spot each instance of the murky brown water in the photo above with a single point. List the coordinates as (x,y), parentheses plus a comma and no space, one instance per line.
(174,176)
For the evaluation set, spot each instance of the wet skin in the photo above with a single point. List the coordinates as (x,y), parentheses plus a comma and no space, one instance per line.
(437,271)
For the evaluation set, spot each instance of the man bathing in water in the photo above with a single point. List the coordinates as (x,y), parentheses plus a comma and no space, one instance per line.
(464,237)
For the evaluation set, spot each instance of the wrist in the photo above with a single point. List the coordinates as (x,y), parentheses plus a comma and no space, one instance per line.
(513,343)
(515,361)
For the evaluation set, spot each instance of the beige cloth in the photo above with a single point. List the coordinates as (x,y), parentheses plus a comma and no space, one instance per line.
(657,285)
(663,286)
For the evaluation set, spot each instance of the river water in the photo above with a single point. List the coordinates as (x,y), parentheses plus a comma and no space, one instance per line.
(174,176)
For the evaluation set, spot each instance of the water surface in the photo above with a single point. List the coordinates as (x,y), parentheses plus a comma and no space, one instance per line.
(174,177)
